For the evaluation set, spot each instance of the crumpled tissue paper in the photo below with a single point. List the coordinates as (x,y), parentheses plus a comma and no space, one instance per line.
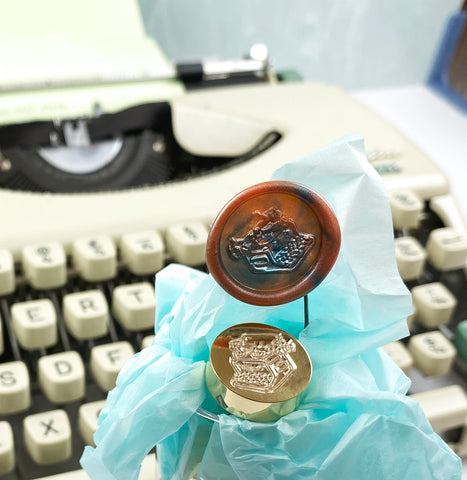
(354,420)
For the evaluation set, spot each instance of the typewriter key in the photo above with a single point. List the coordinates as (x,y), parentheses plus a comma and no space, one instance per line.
(273,243)
(257,372)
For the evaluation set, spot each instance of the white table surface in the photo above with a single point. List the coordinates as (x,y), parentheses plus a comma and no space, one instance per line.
(432,123)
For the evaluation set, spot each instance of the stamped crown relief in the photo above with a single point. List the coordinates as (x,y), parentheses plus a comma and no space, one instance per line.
(273,244)
(261,362)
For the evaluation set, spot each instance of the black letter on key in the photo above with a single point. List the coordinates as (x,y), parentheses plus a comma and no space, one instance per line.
(48,427)
(145,243)
(137,294)
(87,304)
(62,367)
(113,355)
(34,314)
(7,378)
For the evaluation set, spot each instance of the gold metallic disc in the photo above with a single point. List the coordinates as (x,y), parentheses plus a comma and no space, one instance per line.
(257,372)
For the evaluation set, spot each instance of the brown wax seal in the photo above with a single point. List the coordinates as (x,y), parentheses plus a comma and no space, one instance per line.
(273,243)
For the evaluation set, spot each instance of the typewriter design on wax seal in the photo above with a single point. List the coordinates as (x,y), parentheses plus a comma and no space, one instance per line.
(261,363)
(271,244)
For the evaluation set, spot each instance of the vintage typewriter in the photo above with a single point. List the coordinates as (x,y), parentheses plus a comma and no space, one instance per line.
(107,178)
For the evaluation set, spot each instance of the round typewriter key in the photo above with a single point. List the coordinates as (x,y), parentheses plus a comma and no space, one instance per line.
(273,243)
(257,372)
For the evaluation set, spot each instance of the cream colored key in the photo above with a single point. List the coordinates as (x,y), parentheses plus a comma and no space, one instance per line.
(433,354)
(44,265)
(142,252)
(147,341)
(400,356)
(7,272)
(95,258)
(87,420)
(444,407)
(107,360)
(187,243)
(435,304)
(134,306)
(47,436)
(15,393)
(149,471)
(149,468)
(34,323)
(86,314)
(7,449)
(447,248)
(61,377)
(410,257)
(406,208)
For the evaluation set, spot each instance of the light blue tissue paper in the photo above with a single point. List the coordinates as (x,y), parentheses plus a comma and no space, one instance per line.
(156,393)
(355,424)
(354,420)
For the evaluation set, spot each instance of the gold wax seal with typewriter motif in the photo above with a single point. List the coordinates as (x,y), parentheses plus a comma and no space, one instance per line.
(257,372)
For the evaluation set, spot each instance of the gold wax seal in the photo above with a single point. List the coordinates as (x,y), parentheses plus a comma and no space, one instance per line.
(257,372)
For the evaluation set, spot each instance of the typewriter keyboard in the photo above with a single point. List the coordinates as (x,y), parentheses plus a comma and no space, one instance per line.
(431,257)
(70,320)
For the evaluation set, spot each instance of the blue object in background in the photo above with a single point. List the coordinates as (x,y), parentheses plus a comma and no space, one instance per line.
(354,421)
(439,79)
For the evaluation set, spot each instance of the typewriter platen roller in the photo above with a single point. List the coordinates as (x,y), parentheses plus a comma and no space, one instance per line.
(257,127)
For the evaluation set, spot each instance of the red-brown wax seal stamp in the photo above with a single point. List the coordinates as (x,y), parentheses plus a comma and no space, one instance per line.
(273,243)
